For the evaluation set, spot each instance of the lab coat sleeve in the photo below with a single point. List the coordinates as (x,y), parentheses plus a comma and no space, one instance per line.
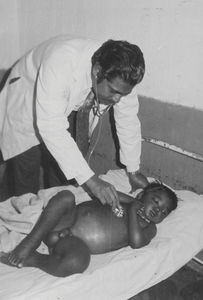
(128,131)
(52,99)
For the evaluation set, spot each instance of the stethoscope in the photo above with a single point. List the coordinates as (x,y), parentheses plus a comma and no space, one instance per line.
(96,106)
(96,109)
(99,113)
(119,212)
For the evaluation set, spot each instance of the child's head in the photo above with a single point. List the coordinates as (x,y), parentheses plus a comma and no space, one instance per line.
(158,201)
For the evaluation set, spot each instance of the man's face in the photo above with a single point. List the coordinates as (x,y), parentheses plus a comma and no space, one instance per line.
(157,205)
(110,92)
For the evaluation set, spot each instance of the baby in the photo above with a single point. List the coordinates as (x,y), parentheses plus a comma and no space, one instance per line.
(74,232)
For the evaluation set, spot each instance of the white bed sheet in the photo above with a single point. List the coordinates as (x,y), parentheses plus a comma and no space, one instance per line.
(117,275)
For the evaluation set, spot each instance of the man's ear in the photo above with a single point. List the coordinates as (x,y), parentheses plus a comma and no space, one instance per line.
(96,70)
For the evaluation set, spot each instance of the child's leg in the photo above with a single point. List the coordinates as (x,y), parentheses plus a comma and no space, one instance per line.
(59,205)
(69,256)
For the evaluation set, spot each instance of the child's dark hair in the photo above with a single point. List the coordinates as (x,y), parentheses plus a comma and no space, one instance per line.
(161,187)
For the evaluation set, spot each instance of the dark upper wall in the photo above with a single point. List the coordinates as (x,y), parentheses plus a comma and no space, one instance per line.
(175,124)
(179,126)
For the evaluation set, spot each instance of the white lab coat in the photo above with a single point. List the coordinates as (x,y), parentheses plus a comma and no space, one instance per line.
(55,80)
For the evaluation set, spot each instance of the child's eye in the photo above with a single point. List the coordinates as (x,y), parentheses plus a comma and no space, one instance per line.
(164,213)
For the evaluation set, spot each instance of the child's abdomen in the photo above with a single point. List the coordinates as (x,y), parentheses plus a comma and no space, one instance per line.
(99,228)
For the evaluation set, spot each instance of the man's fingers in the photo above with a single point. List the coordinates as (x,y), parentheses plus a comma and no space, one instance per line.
(104,191)
(112,197)
(102,200)
(116,202)
(108,197)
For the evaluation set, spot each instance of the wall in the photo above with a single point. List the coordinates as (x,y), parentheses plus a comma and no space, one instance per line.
(169,33)
(176,125)
(9,33)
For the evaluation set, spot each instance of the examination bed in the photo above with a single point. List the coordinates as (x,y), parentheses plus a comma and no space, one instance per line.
(117,275)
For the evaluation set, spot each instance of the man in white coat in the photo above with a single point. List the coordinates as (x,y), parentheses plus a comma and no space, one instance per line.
(55,78)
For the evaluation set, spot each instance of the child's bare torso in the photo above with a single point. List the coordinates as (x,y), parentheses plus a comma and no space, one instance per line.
(100,228)
(95,224)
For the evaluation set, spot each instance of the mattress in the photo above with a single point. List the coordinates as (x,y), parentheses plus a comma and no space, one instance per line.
(117,275)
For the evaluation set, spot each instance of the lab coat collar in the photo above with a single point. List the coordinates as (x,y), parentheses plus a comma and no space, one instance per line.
(83,72)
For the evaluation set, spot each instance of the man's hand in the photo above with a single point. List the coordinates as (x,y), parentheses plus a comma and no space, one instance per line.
(137,180)
(104,191)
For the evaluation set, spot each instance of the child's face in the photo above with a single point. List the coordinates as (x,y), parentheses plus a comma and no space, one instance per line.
(157,205)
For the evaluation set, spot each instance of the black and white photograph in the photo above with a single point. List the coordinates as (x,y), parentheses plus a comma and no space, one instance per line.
(101,150)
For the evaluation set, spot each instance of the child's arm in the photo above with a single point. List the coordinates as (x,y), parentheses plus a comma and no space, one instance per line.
(139,236)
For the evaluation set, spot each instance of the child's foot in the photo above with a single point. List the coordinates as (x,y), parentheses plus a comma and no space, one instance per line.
(18,256)
(6,258)
(10,260)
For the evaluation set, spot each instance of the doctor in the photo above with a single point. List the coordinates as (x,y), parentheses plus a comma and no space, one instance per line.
(55,78)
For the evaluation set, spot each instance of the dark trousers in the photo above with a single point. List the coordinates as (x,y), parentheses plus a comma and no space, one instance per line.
(23,172)
(36,168)
(31,170)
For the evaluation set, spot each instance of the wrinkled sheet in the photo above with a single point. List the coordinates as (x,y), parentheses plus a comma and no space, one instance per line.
(116,275)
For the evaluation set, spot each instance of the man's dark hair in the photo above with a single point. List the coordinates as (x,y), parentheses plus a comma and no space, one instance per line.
(120,59)
(161,187)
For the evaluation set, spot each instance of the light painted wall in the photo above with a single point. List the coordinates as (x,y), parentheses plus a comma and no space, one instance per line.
(9,32)
(168,31)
